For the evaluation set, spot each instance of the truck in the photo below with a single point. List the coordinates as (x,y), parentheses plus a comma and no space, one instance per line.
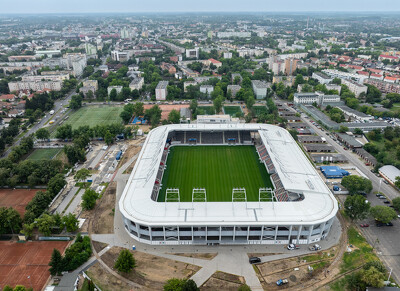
(51,112)
(118,157)
(281,282)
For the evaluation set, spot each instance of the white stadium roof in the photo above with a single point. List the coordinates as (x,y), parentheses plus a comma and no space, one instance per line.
(294,169)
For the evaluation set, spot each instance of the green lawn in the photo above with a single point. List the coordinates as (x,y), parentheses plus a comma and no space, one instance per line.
(218,169)
(259,110)
(232,110)
(43,154)
(209,110)
(95,115)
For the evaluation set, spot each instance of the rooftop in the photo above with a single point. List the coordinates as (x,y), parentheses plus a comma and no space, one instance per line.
(295,171)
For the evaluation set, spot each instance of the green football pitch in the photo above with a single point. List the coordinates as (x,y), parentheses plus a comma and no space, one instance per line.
(43,154)
(218,169)
(95,115)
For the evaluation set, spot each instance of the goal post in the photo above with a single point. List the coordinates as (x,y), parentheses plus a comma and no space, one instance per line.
(266,195)
(239,195)
(199,195)
(172,195)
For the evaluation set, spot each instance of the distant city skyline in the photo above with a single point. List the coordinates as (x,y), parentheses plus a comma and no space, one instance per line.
(131,6)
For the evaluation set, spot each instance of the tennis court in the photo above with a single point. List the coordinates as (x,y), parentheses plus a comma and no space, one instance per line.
(17,199)
(27,263)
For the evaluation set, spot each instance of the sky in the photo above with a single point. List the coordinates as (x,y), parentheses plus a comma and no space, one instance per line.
(103,6)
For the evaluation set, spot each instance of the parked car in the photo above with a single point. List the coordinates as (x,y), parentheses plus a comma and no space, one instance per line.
(386,201)
(292,247)
(254,260)
(364,225)
(379,224)
(280,282)
(315,247)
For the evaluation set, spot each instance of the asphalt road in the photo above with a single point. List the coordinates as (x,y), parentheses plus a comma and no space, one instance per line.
(385,239)
(58,104)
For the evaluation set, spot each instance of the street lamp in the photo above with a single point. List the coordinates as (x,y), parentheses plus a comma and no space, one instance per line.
(390,274)
(380,183)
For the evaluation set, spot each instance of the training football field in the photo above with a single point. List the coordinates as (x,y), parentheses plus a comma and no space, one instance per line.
(218,169)
(95,115)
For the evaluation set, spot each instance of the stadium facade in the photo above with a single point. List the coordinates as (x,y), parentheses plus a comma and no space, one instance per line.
(302,209)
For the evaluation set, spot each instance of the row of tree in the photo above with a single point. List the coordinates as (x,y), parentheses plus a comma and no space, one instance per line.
(77,254)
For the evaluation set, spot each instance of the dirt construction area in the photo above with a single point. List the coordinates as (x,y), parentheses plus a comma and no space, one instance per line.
(27,263)
(17,198)
(223,281)
(103,221)
(151,271)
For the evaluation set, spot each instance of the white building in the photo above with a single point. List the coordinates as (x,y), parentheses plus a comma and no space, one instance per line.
(90,49)
(117,88)
(50,77)
(344,75)
(192,53)
(35,85)
(259,89)
(355,87)
(229,34)
(76,62)
(355,114)
(322,78)
(317,97)
(137,83)
(389,173)
(206,89)
(227,55)
(233,89)
(302,212)
(161,90)
(49,53)
(91,83)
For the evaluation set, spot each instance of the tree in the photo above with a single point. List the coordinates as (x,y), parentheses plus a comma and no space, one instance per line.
(113,94)
(82,174)
(193,106)
(356,207)
(397,182)
(10,221)
(175,284)
(19,288)
(244,287)
(218,104)
(138,109)
(71,222)
(125,262)
(396,202)
(76,102)
(42,133)
(356,184)
(174,116)
(126,116)
(108,138)
(89,199)
(373,277)
(358,131)
(56,264)
(383,214)
(74,154)
(27,229)
(45,223)
(7,288)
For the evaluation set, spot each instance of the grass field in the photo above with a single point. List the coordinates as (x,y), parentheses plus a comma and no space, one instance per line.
(95,115)
(209,110)
(232,110)
(218,169)
(43,154)
(259,110)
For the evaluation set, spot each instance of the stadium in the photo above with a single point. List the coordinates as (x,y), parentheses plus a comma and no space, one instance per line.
(225,184)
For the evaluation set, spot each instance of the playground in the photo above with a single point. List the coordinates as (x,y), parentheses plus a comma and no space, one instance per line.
(27,263)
